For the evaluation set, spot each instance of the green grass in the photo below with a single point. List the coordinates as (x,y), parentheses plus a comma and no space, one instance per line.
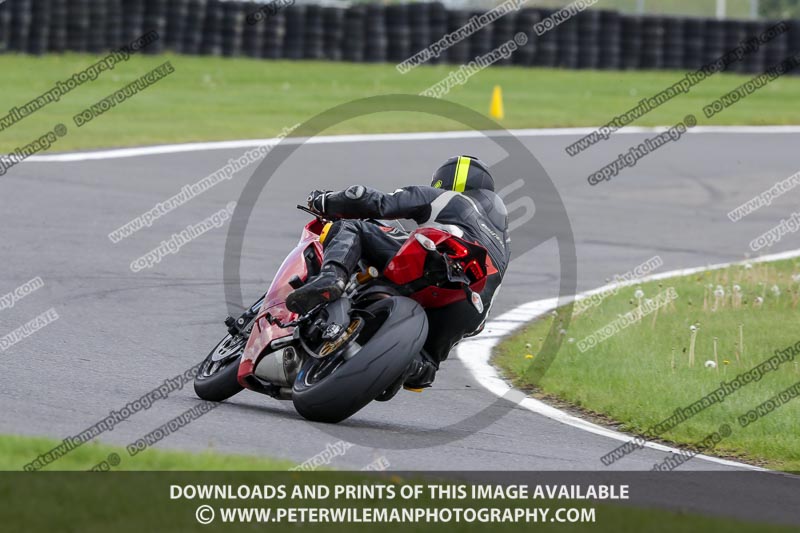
(136,501)
(111,502)
(220,98)
(696,8)
(631,378)
(39,503)
(16,451)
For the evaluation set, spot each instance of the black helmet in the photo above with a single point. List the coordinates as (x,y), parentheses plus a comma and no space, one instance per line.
(463,173)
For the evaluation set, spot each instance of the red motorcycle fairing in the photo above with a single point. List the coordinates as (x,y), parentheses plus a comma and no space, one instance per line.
(274,302)
(408,265)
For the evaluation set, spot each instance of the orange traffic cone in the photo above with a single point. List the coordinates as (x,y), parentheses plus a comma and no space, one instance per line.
(496,106)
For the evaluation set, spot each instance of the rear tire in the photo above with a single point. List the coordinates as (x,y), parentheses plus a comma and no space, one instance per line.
(333,390)
(218,384)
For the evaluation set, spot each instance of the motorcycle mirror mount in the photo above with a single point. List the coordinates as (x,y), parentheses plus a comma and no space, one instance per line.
(474,298)
(425,242)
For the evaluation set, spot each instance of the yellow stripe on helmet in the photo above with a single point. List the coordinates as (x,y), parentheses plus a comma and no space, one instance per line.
(462,169)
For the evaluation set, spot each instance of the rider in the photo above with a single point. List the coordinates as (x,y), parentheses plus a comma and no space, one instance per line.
(460,200)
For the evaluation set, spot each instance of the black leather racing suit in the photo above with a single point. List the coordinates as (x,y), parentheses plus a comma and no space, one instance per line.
(479,215)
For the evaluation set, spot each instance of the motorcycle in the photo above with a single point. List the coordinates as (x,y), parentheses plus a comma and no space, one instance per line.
(341,355)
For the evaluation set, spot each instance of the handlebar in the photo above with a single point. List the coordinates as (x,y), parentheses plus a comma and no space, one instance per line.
(315,214)
(309,211)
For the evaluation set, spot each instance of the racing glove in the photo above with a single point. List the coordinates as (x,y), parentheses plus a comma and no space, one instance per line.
(316,201)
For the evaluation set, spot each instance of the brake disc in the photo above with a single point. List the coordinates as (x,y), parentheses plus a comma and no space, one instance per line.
(333,346)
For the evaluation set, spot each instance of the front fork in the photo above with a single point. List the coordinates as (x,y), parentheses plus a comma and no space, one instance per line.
(241,325)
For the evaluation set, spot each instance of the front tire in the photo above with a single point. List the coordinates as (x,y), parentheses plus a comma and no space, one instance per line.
(333,388)
(217,380)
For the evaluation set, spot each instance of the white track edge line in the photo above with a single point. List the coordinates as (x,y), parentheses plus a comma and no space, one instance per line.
(116,153)
(476,353)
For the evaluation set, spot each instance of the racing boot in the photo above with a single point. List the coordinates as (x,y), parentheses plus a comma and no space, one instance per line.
(419,375)
(325,287)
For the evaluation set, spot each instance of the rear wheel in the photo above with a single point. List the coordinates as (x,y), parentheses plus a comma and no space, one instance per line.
(335,387)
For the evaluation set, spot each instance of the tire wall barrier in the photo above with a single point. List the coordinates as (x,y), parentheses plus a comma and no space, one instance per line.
(378,33)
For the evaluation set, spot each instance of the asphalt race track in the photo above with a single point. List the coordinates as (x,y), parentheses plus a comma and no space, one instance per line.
(120,333)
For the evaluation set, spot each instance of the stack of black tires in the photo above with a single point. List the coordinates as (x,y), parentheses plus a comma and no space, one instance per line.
(652,53)
(437,28)
(232,28)
(505,28)
(420,26)
(673,43)
(694,43)
(398,33)
(546,53)
(274,35)
(569,50)
(480,42)
(632,42)
(354,39)
(191,39)
(458,52)
(609,41)
(211,41)
(252,32)
(589,29)
(376,42)
(155,19)
(591,39)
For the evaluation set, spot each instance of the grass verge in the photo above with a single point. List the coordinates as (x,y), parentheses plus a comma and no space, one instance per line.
(221,98)
(16,451)
(642,373)
(132,501)
(112,502)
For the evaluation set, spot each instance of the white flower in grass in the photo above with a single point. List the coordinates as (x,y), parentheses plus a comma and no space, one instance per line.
(748,266)
(562,332)
(737,288)
(638,294)
(719,292)
(759,300)
(692,328)
(776,290)
(711,364)
(796,278)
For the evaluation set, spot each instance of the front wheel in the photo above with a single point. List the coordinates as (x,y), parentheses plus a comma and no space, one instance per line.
(335,387)
(216,380)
